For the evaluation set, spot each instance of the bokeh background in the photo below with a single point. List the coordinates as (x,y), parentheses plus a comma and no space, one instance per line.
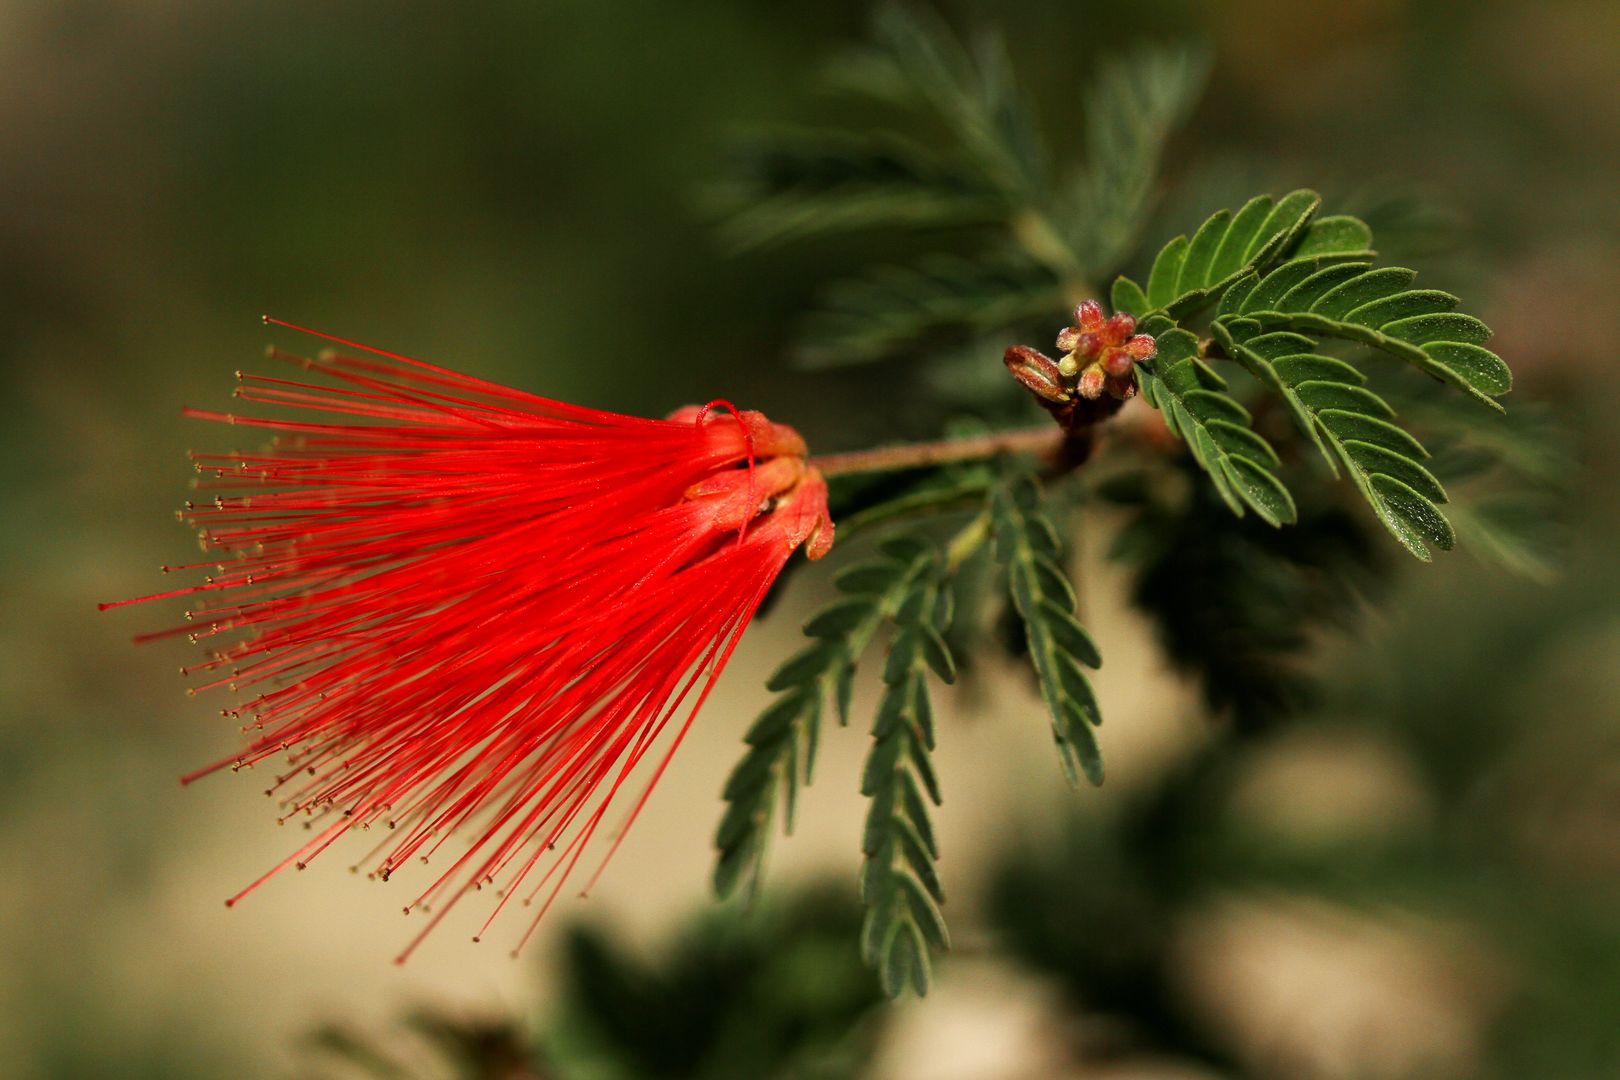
(519,189)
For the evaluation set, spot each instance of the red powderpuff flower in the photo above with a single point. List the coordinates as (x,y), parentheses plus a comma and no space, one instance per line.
(466,613)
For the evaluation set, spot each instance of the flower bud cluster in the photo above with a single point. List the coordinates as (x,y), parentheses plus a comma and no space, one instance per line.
(1099,353)
(1098,356)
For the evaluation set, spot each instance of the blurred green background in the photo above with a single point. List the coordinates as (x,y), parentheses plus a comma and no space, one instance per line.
(1433,867)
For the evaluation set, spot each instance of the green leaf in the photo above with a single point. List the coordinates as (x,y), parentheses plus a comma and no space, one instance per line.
(1127,295)
(1412,517)
(899,884)
(782,742)
(1349,425)
(803,666)
(1137,100)
(1044,599)
(803,184)
(1378,308)
(1215,428)
(1337,235)
(890,310)
(1165,276)
(1190,274)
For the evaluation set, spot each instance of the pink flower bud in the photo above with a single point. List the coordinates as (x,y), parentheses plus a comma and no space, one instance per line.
(1091,383)
(1142,347)
(1088,316)
(1122,387)
(1118,328)
(1036,371)
(1117,361)
(1088,345)
(1068,339)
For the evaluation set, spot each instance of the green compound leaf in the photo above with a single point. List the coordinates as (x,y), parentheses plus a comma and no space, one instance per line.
(1351,426)
(1059,648)
(892,308)
(1136,102)
(1127,295)
(782,742)
(1238,606)
(948,489)
(1352,301)
(1337,235)
(1518,531)
(1509,477)
(809,183)
(900,887)
(919,62)
(1188,274)
(1215,428)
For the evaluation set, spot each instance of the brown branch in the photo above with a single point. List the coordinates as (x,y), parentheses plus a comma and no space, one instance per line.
(1044,440)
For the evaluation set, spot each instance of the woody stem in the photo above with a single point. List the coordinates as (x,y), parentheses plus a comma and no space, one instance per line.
(1045,439)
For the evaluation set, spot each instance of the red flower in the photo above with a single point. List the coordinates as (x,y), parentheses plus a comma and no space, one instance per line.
(464,611)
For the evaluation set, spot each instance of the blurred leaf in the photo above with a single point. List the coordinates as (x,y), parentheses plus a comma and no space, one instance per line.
(973,92)
(796,185)
(1239,605)
(893,309)
(779,994)
(1135,102)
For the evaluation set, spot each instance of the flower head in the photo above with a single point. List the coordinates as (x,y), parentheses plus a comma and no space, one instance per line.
(1100,352)
(466,614)
(1096,373)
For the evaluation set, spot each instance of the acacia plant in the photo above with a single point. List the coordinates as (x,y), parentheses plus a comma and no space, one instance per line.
(1269,350)
(464,612)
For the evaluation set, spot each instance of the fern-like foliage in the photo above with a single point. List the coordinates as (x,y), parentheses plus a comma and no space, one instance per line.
(1060,650)
(806,183)
(899,885)
(1270,325)
(1187,275)
(1031,222)
(1198,410)
(891,309)
(1376,307)
(1236,605)
(1136,101)
(782,743)
(904,586)
(1351,426)
(917,61)
(1284,282)
(795,184)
